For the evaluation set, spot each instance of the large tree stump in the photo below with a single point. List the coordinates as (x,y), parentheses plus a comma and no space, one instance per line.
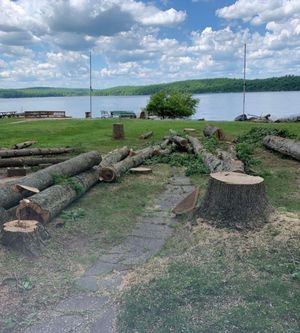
(25,235)
(118,131)
(235,200)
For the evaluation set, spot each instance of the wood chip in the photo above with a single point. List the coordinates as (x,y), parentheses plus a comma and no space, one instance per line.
(21,188)
(187,204)
(141,170)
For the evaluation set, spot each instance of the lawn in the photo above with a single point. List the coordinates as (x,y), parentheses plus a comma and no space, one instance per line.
(207,280)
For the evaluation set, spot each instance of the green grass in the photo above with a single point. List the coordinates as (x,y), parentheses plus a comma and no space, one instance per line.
(215,280)
(208,281)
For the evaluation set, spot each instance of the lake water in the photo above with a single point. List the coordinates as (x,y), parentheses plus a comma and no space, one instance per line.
(224,106)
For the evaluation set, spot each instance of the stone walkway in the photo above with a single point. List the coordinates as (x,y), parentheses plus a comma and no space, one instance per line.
(93,310)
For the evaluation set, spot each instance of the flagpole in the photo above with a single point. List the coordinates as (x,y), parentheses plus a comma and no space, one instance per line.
(244,87)
(91,106)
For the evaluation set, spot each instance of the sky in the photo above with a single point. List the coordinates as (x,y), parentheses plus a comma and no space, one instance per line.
(134,42)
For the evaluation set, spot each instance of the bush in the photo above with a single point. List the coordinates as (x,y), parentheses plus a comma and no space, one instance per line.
(172,105)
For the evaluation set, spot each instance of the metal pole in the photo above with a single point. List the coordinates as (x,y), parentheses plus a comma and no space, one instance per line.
(244,88)
(91,106)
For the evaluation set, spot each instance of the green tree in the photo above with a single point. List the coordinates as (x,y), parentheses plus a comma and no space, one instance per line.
(172,105)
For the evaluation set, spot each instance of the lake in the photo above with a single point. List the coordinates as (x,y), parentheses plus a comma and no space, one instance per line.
(223,106)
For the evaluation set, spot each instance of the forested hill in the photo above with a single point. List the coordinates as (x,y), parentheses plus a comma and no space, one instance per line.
(284,83)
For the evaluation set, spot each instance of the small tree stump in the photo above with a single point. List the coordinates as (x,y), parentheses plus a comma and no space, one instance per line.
(235,200)
(214,131)
(25,235)
(118,131)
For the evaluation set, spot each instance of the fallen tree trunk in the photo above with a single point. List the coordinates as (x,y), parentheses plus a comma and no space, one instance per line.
(23,145)
(225,161)
(214,131)
(115,156)
(34,151)
(147,135)
(180,141)
(235,200)
(213,163)
(291,119)
(10,195)
(284,146)
(230,162)
(15,162)
(111,173)
(44,206)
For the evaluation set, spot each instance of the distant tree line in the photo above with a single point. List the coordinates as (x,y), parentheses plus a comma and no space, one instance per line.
(284,83)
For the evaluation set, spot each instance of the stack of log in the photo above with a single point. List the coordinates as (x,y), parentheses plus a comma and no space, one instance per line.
(20,155)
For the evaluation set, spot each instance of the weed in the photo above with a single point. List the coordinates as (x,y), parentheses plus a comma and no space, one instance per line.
(63,180)
(210,144)
(25,284)
(245,152)
(74,214)
(194,164)
(256,135)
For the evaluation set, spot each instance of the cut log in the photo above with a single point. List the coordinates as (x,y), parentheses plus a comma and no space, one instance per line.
(9,195)
(115,156)
(213,163)
(180,141)
(110,174)
(34,151)
(225,161)
(25,235)
(44,206)
(284,146)
(235,200)
(146,135)
(230,162)
(118,131)
(23,145)
(214,131)
(31,161)
(291,119)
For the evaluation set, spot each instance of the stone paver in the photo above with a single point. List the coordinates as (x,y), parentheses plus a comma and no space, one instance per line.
(107,274)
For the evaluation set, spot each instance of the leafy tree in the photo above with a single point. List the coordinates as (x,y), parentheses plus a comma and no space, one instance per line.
(172,105)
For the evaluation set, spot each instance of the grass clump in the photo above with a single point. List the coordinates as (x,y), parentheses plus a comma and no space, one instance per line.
(257,134)
(210,144)
(245,152)
(194,164)
(63,180)
(73,214)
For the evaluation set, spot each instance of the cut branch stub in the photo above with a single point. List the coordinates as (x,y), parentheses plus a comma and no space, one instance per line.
(235,200)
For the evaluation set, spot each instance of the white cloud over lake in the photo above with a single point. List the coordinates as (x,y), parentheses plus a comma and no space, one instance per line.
(139,42)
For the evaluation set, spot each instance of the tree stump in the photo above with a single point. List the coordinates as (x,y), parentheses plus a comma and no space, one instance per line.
(214,131)
(118,131)
(235,200)
(25,235)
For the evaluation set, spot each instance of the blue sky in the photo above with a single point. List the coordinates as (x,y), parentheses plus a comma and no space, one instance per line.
(133,42)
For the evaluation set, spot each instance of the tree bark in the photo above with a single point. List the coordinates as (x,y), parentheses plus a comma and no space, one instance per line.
(235,200)
(115,156)
(23,145)
(118,131)
(27,236)
(180,141)
(225,161)
(111,173)
(214,131)
(284,146)
(213,163)
(10,196)
(31,161)
(44,206)
(146,135)
(34,151)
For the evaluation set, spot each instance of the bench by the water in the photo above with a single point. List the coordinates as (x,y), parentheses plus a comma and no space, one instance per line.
(45,114)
